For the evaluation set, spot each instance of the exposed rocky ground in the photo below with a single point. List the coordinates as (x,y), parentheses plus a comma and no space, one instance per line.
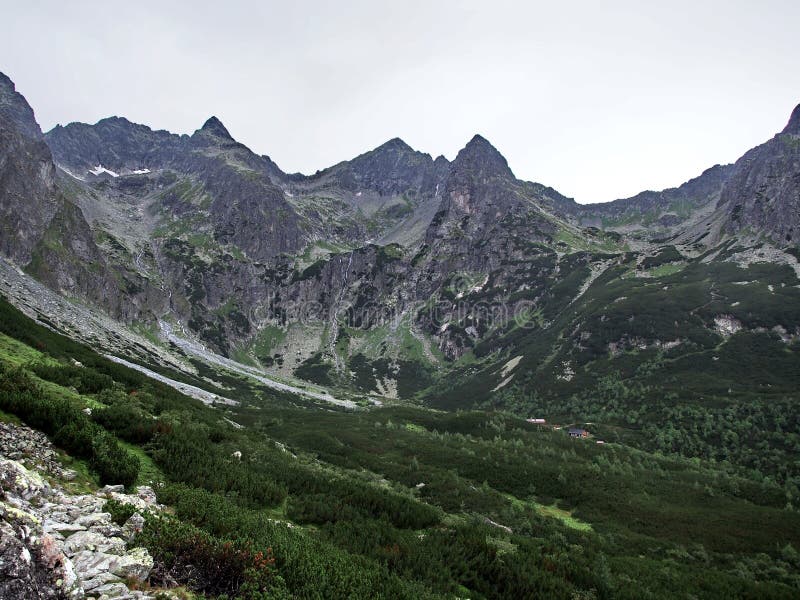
(57,544)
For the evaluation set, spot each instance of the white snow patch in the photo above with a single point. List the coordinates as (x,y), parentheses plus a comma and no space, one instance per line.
(100,169)
(197,349)
(233,424)
(204,396)
(140,172)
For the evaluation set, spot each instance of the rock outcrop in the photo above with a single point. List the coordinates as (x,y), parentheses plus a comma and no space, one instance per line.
(762,195)
(28,195)
(40,228)
(60,545)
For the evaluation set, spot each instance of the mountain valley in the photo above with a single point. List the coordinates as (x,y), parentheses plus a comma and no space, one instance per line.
(396,347)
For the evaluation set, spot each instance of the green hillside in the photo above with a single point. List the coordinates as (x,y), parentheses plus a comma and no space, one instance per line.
(402,501)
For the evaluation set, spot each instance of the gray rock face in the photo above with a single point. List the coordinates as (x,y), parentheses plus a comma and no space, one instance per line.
(39,227)
(762,194)
(201,231)
(245,208)
(391,168)
(28,196)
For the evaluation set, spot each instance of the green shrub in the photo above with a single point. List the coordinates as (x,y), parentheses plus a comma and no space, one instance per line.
(69,427)
(120,512)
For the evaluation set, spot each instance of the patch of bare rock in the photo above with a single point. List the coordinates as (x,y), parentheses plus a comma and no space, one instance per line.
(59,545)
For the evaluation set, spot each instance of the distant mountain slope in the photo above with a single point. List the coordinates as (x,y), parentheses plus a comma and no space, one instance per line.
(244,207)
(390,272)
(652,214)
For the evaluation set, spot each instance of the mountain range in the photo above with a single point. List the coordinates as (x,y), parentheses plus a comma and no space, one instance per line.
(399,377)
(397,275)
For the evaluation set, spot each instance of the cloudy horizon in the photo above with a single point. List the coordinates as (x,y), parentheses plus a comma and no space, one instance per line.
(598,102)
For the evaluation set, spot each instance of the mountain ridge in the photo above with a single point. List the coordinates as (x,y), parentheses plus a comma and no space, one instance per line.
(202,232)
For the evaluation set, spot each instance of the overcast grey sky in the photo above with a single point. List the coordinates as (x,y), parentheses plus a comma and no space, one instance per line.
(598,99)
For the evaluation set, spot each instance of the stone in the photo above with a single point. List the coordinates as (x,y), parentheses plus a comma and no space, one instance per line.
(93,519)
(146,493)
(112,590)
(57,527)
(136,564)
(108,530)
(58,546)
(89,540)
(89,564)
(132,526)
(101,579)
(19,480)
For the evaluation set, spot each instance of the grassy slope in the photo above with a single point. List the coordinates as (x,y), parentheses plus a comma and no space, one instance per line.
(625,514)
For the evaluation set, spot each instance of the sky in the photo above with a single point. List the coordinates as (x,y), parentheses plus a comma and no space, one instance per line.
(599,100)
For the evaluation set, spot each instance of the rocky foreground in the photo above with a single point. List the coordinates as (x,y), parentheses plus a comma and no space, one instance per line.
(57,544)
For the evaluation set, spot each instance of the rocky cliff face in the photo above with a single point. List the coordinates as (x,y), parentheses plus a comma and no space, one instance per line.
(762,194)
(28,196)
(41,229)
(242,206)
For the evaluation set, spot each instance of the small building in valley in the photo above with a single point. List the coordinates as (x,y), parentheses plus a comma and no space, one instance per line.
(537,421)
(576,432)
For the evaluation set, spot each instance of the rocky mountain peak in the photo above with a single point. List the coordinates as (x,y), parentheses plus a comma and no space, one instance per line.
(793,126)
(15,109)
(481,158)
(395,144)
(213,126)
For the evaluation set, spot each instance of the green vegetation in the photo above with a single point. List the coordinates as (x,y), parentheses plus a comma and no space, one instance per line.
(667,254)
(69,427)
(404,502)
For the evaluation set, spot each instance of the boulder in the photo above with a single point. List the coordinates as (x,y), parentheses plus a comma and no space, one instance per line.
(103,578)
(146,493)
(136,564)
(108,530)
(14,477)
(89,540)
(59,529)
(112,590)
(93,519)
(89,564)
(132,526)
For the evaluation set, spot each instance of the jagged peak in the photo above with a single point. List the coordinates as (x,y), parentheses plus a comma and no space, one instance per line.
(114,120)
(214,126)
(14,107)
(395,144)
(793,126)
(481,156)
